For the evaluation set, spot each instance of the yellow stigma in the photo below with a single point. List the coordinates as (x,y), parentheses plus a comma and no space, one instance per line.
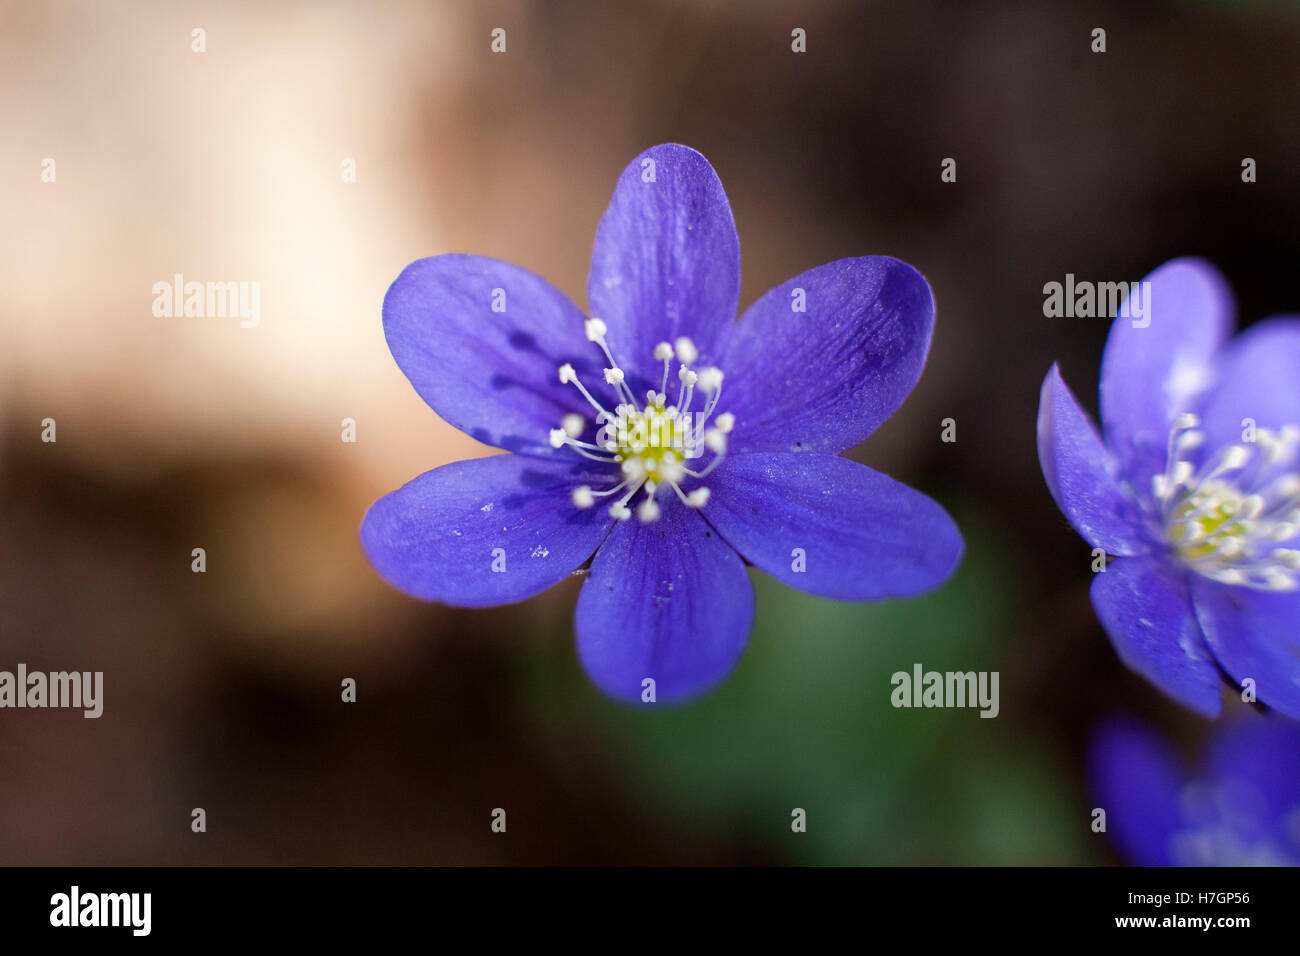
(653,436)
(1205,533)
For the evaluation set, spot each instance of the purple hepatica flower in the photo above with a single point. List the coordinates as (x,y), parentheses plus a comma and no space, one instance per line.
(1196,488)
(667,498)
(1243,809)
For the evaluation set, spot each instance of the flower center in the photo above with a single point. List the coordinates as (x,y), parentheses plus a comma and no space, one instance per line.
(1227,519)
(649,443)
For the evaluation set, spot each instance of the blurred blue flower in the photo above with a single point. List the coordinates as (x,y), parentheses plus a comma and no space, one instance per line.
(1241,809)
(812,368)
(1196,487)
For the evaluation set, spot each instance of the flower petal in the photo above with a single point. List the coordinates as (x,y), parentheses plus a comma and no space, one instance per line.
(1263,755)
(666,261)
(1147,611)
(490,373)
(1152,373)
(1137,781)
(1254,634)
(824,379)
(668,601)
(484,532)
(832,527)
(1259,380)
(1082,474)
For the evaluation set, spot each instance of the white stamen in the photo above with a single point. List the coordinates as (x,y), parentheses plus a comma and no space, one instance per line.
(1220,520)
(573,424)
(647,444)
(1288,556)
(710,379)
(687,353)
(1234,458)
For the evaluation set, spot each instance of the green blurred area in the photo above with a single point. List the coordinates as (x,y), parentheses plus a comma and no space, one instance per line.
(806,722)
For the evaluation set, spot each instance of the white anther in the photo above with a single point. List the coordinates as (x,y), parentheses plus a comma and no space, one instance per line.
(648,511)
(1288,556)
(671,470)
(1287,487)
(1234,458)
(663,351)
(567,374)
(633,468)
(620,511)
(595,329)
(1275,579)
(613,376)
(583,497)
(715,440)
(573,424)
(698,498)
(1274,450)
(1221,521)
(710,379)
(687,353)
(558,438)
(1249,508)
(1231,548)
(688,377)
(725,422)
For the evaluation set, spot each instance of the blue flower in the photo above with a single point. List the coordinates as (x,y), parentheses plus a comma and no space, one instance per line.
(626,445)
(1196,489)
(1242,809)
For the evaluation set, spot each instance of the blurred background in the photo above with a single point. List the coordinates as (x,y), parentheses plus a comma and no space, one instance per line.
(222,690)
